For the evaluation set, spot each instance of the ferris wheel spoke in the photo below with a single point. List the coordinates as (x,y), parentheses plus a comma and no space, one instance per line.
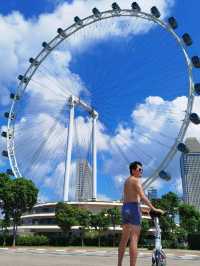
(138,87)
(138,148)
(36,154)
(39,155)
(50,132)
(169,120)
(157,132)
(58,84)
(139,133)
(120,150)
(134,73)
(50,154)
(42,86)
(52,85)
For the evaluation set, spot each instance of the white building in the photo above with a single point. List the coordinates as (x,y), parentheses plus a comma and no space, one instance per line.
(42,218)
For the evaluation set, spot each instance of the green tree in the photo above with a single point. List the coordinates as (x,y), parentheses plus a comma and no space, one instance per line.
(66,217)
(83,217)
(189,218)
(170,203)
(100,222)
(182,236)
(18,196)
(115,217)
(4,224)
(6,196)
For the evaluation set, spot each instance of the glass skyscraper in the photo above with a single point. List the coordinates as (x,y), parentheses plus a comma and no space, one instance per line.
(190,173)
(152,193)
(83,181)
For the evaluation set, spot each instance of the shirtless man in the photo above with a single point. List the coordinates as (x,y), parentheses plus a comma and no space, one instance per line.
(131,214)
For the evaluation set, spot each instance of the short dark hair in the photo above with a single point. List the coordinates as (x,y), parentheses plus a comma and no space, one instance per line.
(133,166)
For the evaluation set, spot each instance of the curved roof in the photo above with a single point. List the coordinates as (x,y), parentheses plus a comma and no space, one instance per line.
(86,203)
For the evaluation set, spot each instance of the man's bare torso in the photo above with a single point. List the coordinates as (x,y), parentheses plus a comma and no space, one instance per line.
(130,190)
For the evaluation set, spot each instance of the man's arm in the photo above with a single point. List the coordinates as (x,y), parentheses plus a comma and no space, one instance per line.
(140,192)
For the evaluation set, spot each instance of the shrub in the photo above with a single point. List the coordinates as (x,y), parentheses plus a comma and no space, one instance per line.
(32,240)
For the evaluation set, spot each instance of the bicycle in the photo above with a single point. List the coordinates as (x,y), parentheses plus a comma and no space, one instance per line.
(158,256)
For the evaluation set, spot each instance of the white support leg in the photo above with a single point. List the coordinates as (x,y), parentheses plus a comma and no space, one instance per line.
(94,156)
(69,150)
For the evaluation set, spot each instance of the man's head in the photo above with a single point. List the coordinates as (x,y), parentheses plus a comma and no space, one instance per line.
(136,169)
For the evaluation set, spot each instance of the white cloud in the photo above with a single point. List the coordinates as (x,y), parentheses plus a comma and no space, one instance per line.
(119,180)
(103,197)
(54,183)
(151,121)
(84,130)
(155,112)
(22,40)
(178,186)
(126,139)
(42,198)
(5,96)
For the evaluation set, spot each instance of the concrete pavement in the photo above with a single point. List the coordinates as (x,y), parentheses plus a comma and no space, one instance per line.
(90,257)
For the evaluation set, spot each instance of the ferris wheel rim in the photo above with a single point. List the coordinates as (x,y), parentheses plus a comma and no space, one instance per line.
(58,39)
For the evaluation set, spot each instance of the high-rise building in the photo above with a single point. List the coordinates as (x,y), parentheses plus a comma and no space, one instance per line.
(152,193)
(83,181)
(190,173)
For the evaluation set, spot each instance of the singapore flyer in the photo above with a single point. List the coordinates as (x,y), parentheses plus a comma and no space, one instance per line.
(117,84)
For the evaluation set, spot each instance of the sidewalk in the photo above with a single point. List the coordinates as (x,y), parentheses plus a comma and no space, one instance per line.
(88,256)
(95,249)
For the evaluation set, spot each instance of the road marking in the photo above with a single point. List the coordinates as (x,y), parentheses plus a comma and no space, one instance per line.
(84,252)
(189,257)
(21,249)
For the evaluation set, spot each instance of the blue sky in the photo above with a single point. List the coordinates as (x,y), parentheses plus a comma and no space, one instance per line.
(28,9)
(138,83)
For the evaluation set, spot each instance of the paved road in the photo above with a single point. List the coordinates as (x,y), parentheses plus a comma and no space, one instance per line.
(75,257)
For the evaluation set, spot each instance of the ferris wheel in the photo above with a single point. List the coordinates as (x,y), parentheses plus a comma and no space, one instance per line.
(72,100)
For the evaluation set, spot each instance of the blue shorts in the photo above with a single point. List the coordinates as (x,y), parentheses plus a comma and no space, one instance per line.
(131,213)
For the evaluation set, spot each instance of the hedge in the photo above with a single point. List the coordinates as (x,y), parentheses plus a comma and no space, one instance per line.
(27,240)
(91,239)
(32,240)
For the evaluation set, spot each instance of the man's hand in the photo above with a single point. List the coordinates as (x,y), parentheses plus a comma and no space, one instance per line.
(158,210)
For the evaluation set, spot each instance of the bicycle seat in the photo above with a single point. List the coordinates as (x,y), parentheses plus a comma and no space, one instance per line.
(154,214)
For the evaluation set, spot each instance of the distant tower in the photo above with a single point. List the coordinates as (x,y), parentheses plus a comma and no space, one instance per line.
(152,193)
(190,173)
(84,183)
